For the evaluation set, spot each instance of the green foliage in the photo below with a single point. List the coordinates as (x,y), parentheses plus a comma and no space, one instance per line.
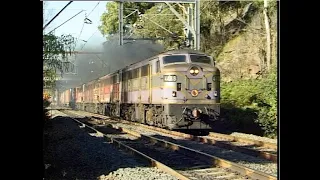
(154,16)
(110,19)
(258,95)
(220,22)
(131,6)
(46,103)
(216,29)
(49,78)
(56,51)
(151,21)
(245,101)
(214,15)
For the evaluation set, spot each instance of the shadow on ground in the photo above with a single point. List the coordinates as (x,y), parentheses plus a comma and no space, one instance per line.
(214,151)
(70,152)
(235,119)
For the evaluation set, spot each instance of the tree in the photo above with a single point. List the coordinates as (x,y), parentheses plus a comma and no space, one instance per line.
(110,19)
(221,21)
(154,22)
(55,54)
(56,51)
(161,25)
(268,34)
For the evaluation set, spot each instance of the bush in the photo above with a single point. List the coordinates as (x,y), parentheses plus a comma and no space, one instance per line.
(46,103)
(252,97)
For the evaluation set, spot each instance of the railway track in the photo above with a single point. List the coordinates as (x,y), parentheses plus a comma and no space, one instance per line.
(210,161)
(247,146)
(257,143)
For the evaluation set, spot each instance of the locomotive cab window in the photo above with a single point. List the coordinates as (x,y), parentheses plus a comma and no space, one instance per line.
(200,59)
(174,59)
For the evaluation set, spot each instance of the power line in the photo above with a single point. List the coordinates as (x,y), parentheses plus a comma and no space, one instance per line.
(93,9)
(79,34)
(95,31)
(67,9)
(57,15)
(103,63)
(89,38)
(66,21)
(84,23)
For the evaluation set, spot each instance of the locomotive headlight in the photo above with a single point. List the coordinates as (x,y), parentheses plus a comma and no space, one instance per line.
(170,78)
(196,112)
(194,93)
(194,71)
(174,94)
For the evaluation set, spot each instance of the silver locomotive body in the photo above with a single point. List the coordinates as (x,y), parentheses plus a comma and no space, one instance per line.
(190,90)
(175,90)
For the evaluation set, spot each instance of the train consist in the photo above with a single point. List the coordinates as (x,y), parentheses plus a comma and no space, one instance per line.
(178,90)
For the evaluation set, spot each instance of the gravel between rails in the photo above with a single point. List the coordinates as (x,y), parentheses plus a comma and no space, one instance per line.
(233,156)
(135,174)
(174,159)
(73,153)
(237,134)
(255,163)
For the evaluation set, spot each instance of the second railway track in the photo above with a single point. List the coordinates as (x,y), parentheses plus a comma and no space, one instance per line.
(247,146)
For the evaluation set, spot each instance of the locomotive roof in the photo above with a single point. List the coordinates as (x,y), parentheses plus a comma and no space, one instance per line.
(176,51)
(171,52)
(183,51)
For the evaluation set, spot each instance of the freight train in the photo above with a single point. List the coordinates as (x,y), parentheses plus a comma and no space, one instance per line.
(177,90)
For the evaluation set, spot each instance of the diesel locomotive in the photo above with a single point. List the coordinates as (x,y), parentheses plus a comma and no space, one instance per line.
(177,90)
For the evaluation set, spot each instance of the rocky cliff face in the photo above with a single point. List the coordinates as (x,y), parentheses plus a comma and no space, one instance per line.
(244,55)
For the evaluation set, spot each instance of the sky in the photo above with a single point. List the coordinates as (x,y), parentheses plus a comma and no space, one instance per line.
(89,67)
(89,33)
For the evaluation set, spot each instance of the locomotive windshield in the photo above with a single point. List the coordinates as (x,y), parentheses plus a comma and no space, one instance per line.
(200,59)
(174,59)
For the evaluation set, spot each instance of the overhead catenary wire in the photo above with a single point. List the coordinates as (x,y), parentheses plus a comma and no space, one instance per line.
(93,9)
(79,34)
(95,31)
(88,39)
(104,64)
(66,21)
(84,23)
(57,15)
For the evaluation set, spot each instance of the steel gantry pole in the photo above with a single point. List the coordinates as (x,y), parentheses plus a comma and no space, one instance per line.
(189,34)
(121,22)
(197,24)
(192,23)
